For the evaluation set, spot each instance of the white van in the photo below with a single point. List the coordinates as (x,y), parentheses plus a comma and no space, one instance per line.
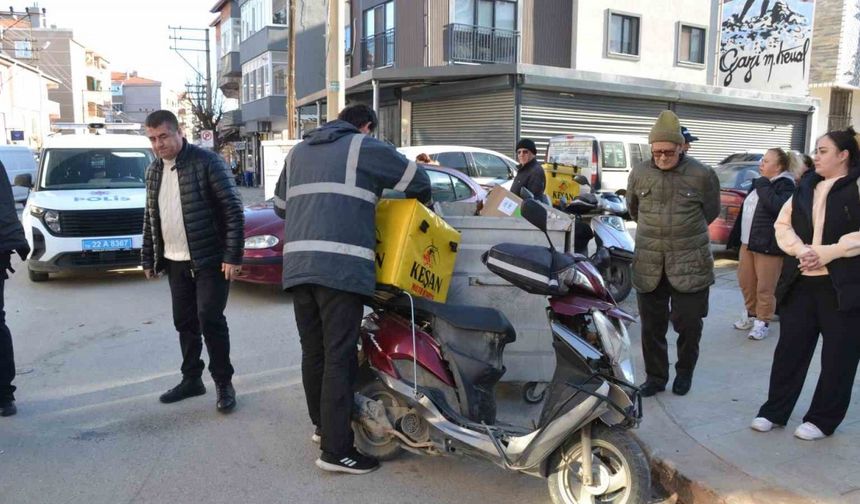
(604,158)
(18,160)
(86,208)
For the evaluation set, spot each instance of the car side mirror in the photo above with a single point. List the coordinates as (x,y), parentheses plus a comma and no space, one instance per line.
(581,180)
(24,180)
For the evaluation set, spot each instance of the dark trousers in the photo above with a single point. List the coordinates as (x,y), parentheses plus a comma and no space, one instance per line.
(7,356)
(328,321)
(807,311)
(199,299)
(686,311)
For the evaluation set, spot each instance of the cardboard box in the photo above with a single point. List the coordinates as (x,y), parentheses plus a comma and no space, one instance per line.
(560,183)
(501,203)
(416,249)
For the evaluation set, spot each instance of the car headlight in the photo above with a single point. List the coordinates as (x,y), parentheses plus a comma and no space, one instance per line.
(37,211)
(52,220)
(261,242)
(616,344)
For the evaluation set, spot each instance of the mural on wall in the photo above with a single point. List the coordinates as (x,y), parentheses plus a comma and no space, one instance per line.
(766,44)
(853,74)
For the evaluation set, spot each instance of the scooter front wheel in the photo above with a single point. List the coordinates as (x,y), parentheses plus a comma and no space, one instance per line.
(380,447)
(620,470)
(619,279)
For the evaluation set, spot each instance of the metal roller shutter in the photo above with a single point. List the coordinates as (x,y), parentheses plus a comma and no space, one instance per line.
(546,114)
(485,121)
(722,131)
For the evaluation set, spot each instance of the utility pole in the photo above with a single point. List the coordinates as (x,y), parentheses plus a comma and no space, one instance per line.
(291,74)
(335,72)
(178,39)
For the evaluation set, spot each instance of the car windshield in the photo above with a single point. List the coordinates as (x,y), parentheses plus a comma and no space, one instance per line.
(95,168)
(737,176)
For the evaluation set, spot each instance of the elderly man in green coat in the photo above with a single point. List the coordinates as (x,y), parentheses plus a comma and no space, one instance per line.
(672,197)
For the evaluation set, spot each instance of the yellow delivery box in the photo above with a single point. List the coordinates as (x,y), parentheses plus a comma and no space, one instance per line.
(415,249)
(560,183)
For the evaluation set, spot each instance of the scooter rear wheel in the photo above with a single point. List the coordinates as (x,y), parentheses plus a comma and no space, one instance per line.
(621,474)
(384,447)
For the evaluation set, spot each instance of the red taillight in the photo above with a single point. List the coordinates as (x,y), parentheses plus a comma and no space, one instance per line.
(594,167)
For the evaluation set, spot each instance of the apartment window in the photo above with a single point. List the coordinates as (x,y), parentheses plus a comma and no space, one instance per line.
(230,33)
(623,34)
(23,49)
(691,44)
(259,13)
(840,109)
(378,42)
(265,75)
(500,14)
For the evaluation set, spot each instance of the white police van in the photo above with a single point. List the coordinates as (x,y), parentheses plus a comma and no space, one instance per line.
(87,204)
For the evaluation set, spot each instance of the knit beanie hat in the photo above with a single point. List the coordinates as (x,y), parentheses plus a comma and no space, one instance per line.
(667,129)
(527,144)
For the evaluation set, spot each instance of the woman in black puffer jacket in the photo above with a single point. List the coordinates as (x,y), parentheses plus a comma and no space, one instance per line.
(760,257)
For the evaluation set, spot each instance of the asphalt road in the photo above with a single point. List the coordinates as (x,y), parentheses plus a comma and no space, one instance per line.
(95,351)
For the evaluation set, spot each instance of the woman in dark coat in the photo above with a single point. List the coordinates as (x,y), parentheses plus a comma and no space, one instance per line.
(760,258)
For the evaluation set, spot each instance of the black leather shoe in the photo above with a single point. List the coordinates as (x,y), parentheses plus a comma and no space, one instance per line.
(682,385)
(8,408)
(650,388)
(226,397)
(188,387)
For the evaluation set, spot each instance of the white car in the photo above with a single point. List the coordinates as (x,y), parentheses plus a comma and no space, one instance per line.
(87,204)
(484,166)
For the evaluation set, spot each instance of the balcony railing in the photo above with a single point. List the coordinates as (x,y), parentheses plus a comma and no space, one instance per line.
(377,50)
(480,44)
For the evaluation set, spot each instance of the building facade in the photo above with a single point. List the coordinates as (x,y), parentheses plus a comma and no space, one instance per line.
(835,73)
(26,110)
(493,71)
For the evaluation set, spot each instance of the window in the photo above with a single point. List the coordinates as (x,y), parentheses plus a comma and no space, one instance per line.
(613,155)
(23,49)
(265,75)
(230,33)
(455,160)
(461,189)
(623,34)
(691,45)
(378,42)
(839,116)
(259,13)
(441,186)
(488,165)
(487,13)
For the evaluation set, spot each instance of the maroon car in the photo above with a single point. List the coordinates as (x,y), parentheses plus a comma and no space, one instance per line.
(735,182)
(264,230)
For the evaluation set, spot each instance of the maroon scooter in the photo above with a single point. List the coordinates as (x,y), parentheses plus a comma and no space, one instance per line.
(428,373)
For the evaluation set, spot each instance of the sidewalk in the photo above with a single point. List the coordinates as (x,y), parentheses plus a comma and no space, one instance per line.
(701,445)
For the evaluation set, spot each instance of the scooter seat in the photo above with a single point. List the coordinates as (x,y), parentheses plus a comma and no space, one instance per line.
(470,318)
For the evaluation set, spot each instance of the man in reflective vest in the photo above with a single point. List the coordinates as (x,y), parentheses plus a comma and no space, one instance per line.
(327,193)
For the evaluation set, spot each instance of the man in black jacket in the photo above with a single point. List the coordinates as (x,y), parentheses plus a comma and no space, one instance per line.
(11,240)
(194,231)
(529,172)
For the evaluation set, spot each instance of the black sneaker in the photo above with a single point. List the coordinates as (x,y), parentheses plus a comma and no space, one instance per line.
(650,388)
(317,435)
(188,387)
(226,397)
(8,408)
(350,463)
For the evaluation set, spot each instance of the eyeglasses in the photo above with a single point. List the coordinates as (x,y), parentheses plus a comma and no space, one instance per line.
(664,153)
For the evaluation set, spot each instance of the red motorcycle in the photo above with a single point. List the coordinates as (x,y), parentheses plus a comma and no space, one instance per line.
(429,371)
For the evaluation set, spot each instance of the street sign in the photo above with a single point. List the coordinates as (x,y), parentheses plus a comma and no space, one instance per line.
(239,145)
(17,135)
(207,139)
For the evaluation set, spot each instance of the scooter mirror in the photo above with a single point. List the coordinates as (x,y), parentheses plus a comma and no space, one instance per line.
(535,213)
(526,194)
(581,180)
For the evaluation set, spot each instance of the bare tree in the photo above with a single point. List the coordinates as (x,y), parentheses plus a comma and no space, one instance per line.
(205,116)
